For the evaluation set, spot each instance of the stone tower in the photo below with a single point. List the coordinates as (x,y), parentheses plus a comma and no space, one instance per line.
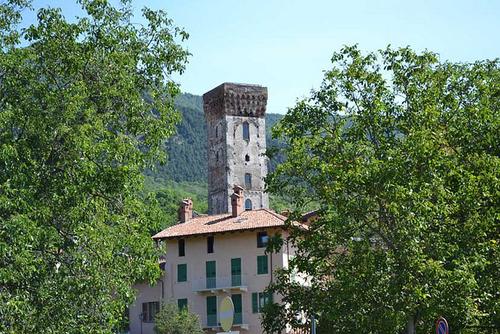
(236,128)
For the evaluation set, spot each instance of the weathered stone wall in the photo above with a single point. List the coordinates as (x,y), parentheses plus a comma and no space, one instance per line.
(255,148)
(226,108)
(217,176)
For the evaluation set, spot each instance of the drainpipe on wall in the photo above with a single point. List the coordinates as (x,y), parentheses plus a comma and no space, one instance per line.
(163,287)
(272,269)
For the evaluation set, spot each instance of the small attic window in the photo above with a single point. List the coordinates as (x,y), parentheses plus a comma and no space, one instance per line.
(247,158)
(248,204)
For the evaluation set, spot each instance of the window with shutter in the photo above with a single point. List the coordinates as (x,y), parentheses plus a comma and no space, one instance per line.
(212,311)
(255,302)
(259,300)
(210,274)
(262,267)
(236,272)
(182,303)
(238,309)
(182,272)
(149,311)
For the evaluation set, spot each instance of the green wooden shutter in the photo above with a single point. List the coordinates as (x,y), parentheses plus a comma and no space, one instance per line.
(210,273)
(182,272)
(212,310)
(236,272)
(255,302)
(238,314)
(262,267)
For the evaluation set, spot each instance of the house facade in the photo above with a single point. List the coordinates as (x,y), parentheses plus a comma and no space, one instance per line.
(224,257)
(223,253)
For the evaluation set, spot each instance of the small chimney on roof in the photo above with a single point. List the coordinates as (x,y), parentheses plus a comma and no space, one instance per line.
(237,201)
(186,210)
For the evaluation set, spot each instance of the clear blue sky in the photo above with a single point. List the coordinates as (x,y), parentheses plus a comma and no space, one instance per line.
(286,45)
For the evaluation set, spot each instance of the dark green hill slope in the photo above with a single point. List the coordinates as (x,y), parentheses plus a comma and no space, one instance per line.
(187,150)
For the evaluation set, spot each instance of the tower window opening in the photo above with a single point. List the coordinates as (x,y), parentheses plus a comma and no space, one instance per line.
(246,131)
(247,158)
(248,180)
(216,131)
(217,156)
(248,204)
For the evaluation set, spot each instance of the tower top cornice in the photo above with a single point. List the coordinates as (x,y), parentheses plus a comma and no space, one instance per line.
(236,99)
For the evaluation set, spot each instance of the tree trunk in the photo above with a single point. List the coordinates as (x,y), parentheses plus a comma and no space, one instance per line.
(410,326)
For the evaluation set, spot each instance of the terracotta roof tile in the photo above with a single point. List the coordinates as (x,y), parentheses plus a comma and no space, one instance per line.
(248,220)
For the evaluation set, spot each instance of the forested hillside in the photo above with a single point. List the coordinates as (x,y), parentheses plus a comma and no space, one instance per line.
(185,173)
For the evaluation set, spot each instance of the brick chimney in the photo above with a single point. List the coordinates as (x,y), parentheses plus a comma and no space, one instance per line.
(186,210)
(237,201)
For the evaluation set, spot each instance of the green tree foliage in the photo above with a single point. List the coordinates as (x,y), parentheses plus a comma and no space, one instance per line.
(401,153)
(75,135)
(171,320)
(167,197)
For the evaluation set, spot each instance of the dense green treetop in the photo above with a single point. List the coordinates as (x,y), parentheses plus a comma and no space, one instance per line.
(401,152)
(76,132)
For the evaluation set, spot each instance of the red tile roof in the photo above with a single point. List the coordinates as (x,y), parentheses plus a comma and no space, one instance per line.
(248,220)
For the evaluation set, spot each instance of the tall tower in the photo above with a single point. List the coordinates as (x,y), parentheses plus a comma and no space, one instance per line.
(236,128)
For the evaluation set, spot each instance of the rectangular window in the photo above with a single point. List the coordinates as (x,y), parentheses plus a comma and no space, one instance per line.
(262,300)
(255,302)
(262,267)
(238,309)
(212,311)
(182,247)
(210,274)
(259,300)
(210,244)
(182,303)
(246,131)
(236,272)
(262,239)
(182,272)
(248,180)
(149,311)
